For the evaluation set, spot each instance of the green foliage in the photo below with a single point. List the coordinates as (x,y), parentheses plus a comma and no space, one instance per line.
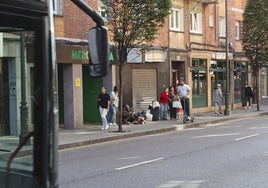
(135,21)
(255,33)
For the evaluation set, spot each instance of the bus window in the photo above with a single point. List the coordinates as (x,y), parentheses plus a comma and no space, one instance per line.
(16,109)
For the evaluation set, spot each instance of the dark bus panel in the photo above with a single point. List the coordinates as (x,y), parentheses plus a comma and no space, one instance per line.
(28,92)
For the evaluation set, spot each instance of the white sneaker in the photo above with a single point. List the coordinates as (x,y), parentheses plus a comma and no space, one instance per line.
(114,123)
(249,107)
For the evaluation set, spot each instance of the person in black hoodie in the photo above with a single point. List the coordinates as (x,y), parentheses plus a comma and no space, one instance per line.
(248,95)
(104,104)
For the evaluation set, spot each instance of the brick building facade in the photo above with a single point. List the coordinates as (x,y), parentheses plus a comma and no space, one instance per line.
(198,49)
(190,46)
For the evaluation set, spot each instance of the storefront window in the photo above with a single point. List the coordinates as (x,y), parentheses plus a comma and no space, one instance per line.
(240,77)
(199,83)
(218,76)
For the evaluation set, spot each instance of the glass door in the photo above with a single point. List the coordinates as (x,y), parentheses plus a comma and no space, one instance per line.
(16,103)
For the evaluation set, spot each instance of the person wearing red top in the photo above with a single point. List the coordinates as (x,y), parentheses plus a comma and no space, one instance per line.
(164,104)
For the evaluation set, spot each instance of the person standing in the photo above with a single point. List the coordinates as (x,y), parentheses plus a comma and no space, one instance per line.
(184,94)
(248,95)
(114,100)
(164,104)
(217,99)
(172,98)
(103,104)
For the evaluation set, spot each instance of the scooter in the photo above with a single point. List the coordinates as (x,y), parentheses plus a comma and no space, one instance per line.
(186,118)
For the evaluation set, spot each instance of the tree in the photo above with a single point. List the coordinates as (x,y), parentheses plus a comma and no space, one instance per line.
(255,38)
(133,23)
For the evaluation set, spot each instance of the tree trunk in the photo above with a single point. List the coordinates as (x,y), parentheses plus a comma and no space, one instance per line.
(121,98)
(258,89)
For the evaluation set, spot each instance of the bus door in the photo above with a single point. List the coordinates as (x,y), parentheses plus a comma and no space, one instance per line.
(28,146)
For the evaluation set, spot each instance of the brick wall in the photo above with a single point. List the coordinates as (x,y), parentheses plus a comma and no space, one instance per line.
(75,22)
(162,37)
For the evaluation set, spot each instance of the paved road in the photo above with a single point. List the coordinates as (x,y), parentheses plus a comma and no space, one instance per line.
(231,154)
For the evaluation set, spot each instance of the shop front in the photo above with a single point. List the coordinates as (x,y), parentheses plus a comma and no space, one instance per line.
(144,77)
(78,91)
(238,76)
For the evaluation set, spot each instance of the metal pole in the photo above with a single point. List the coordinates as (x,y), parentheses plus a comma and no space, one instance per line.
(23,107)
(227,95)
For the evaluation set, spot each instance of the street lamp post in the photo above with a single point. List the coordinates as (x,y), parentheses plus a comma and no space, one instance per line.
(23,107)
(227,94)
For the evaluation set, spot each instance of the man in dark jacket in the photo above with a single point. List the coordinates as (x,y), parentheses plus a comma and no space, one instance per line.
(248,95)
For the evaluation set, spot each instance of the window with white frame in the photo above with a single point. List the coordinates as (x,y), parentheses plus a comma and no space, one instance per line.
(237,30)
(222,27)
(176,19)
(57,6)
(102,12)
(211,20)
(196,22)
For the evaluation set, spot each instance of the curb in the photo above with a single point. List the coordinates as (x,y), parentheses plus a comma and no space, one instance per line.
(153,132)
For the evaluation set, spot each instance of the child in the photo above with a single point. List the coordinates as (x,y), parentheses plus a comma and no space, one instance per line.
(180,113)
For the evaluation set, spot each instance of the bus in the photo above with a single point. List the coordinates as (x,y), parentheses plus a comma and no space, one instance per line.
(28,89)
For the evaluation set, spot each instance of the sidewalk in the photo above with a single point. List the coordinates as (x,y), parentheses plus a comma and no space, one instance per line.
(91,134)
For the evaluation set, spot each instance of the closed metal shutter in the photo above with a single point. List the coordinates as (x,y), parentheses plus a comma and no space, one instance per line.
(144,82)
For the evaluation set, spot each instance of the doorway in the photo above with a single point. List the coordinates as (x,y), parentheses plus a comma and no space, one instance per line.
(177,72)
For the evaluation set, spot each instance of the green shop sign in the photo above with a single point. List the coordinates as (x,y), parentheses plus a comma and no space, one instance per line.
(79,55)
(84,55)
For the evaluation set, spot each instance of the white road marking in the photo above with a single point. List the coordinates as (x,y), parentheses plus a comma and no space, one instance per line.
(183,184)
(139,164)
(246,137)
(126,158)
(216,135)
(254,128)
(265,154)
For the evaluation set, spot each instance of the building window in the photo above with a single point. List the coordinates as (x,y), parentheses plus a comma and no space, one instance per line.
(57,7)
(211,20)
(176,19)
(196,22)
(102,12)
(237,30)
(222,27)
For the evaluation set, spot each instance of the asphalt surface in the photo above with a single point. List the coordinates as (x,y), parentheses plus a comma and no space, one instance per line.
(227,154)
